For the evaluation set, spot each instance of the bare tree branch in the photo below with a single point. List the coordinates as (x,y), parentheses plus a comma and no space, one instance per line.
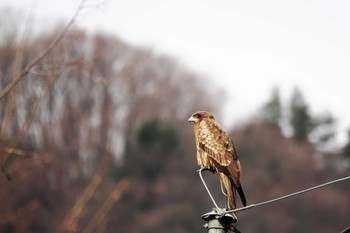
(12,215)
(70,222)
(41,55)
(102,212)
(13,150)
(22,132)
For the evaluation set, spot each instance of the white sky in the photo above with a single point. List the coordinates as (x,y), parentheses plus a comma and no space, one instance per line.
(247,47)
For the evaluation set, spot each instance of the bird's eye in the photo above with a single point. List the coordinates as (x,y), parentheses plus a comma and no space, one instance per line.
(197,115)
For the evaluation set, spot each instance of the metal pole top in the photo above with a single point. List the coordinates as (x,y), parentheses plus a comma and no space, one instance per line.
(217,222)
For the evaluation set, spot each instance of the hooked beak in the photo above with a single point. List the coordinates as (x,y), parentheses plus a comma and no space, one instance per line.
(191,119)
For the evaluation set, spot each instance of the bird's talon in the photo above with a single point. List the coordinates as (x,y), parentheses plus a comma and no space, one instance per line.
(200,169)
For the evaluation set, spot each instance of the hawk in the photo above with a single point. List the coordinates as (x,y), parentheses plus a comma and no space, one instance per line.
(215,151)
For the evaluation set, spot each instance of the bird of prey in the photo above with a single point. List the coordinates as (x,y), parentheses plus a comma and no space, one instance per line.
(215,151)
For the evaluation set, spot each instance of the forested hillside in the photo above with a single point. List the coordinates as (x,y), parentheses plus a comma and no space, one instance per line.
(95,138)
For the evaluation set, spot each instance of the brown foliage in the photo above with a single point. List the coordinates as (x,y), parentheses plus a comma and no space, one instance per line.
(274,166)
(89,94)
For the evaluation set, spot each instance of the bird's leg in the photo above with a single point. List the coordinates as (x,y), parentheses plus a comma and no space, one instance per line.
(205,185)
(203,168)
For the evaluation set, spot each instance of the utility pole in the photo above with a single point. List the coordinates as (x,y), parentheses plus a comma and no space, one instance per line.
(217,222)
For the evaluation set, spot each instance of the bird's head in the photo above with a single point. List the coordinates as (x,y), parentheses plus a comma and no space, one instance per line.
(201,115)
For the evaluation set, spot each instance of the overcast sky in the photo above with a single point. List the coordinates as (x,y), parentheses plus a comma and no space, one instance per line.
(246,47)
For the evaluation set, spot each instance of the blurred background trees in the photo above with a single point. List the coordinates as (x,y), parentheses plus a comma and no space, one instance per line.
(272,110)
(98,121)
(297,119)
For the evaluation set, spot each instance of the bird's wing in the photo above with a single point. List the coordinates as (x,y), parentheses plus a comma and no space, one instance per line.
(215,142)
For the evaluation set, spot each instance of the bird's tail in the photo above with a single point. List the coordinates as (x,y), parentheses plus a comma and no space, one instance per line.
(241,194)
(231,200)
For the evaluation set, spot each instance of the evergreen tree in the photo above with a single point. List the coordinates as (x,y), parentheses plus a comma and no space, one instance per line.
(323,129)
(300,119)
(346,148)
(150,152)
(272,111)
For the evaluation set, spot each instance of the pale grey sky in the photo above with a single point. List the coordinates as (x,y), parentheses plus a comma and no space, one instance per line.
(246,47)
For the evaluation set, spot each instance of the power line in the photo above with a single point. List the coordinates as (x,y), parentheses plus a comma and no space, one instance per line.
(287,196)
(347,230)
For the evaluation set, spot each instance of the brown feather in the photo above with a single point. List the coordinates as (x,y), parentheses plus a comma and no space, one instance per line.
(215,151)
(229,190)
